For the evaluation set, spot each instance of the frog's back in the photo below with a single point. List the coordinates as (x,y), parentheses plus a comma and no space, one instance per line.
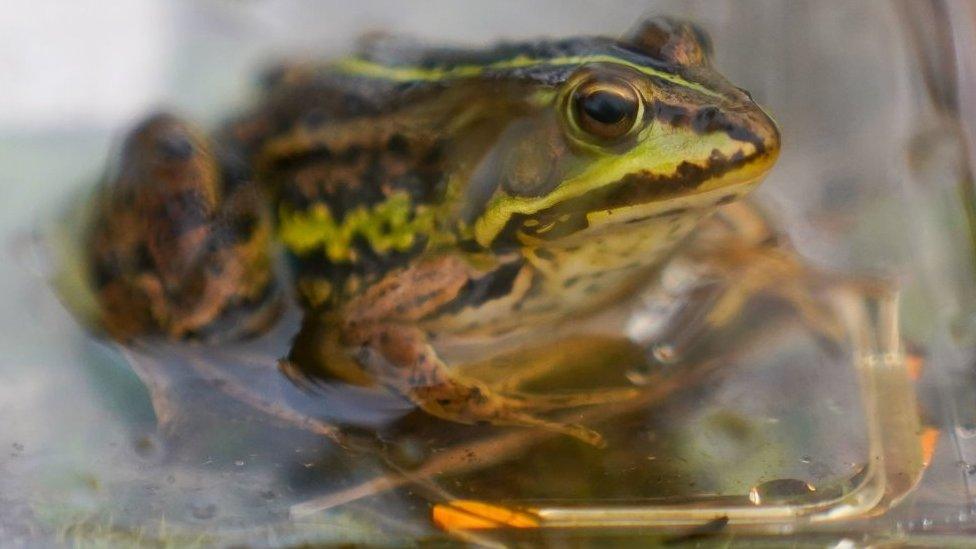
(372,158)
(546,62)
(356,152)
(352,182)
(387,73)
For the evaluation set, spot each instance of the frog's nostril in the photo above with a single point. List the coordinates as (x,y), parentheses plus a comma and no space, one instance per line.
(705,119)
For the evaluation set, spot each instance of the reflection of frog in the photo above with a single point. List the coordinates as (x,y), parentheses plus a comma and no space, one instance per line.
(431,194)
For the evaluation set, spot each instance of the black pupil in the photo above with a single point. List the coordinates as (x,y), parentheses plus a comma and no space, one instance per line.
(608,107)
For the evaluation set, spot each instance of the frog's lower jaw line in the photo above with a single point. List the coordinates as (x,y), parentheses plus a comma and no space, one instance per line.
(690,180)
(695,205)
(657,197)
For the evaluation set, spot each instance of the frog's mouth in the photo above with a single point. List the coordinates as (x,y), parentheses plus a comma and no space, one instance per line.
(687,180)
(643,195)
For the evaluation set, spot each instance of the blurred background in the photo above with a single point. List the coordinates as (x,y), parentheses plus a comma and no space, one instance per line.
(876,100)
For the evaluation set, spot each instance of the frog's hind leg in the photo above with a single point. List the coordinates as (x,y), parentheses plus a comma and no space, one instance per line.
(779,273)
(466,400)
(558,401)
(398,358)
(378,330)
(180,242)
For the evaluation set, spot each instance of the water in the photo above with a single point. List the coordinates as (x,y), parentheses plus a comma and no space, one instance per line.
(219,467)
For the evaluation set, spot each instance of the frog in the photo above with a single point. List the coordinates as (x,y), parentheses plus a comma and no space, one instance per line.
(409,196)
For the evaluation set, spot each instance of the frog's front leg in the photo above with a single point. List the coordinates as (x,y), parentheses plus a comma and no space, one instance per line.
(378,330)
(741,261)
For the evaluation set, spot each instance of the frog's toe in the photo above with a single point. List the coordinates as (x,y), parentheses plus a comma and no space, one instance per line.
(574,430)
(548,402)
(512,416)
(475,404)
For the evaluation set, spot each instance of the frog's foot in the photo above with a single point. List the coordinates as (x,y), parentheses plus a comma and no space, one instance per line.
(468,401)
(399,358)
(559,401)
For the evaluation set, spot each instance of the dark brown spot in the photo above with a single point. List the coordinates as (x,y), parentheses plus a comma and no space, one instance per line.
(351,154)
(398,144)
(544,254)
(183,211)
(244,225)
(273,76)
(175,147)
(503,331)
(673,115)
(144,260)
(433,156)
(314,119)
(711,119)
(476,292)
(673,212)
(705,119)
(476,395)
(104,273)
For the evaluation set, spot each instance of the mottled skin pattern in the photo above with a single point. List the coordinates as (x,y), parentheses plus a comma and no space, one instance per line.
(423,193)
(180,242)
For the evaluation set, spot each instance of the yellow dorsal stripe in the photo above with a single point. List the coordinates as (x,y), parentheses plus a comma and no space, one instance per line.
(370,69)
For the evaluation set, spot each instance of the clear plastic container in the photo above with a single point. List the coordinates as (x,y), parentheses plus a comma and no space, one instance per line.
(761,433)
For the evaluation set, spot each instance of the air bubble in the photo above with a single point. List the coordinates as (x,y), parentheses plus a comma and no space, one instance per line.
(664,353)
(779,491)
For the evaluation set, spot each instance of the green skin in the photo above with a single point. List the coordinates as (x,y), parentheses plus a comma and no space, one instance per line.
(431,194)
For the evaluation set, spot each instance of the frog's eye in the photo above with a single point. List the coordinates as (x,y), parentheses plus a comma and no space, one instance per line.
(606,108)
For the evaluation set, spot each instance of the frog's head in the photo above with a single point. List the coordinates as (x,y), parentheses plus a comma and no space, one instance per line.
(621,132)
